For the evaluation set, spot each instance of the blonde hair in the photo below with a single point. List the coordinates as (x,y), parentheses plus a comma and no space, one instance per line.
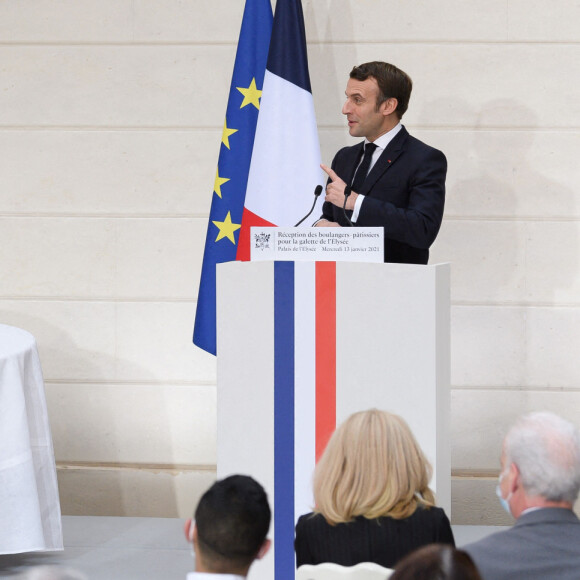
(371,467)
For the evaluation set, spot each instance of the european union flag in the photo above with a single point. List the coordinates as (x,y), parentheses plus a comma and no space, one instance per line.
(231,178)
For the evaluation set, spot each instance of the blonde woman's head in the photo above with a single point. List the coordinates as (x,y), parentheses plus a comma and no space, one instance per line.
(371,467)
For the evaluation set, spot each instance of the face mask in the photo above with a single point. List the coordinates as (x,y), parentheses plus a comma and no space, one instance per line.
(505,502)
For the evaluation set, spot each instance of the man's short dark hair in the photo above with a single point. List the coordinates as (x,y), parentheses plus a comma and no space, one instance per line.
(232,520)
(392,81)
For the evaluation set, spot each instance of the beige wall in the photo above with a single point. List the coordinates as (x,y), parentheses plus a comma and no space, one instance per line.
(110,121)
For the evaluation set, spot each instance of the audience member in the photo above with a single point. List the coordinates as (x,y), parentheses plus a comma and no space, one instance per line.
(373,503)
(230,527)
(436,562)
(538,485)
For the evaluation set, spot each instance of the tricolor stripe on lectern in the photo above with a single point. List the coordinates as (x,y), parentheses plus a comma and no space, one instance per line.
(285,166)
(304,390)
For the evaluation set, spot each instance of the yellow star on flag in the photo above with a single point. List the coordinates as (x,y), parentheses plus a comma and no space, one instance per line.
(251,95)
(226,134)
(219,181)
(227,229)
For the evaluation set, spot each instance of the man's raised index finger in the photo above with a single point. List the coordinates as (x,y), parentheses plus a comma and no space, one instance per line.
(330,172)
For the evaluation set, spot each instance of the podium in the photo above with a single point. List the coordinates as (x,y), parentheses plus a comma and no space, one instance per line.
(301,346)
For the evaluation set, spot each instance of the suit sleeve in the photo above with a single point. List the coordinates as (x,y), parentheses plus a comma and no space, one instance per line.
(418,223)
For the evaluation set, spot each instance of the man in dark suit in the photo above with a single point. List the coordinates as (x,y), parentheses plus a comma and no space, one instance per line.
(397,181)
(538,485)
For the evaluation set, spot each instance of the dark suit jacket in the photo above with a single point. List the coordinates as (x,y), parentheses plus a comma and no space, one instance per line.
(383,540)
(405,192)
(543,544)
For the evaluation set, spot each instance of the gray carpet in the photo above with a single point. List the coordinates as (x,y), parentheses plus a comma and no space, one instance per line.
(112,548)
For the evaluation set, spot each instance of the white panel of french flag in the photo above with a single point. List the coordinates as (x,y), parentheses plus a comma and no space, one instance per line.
(285,165)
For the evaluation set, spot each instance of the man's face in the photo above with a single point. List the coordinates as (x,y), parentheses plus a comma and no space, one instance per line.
(360,108)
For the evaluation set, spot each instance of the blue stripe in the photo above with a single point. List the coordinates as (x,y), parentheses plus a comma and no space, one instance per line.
(288,57)
(284,420)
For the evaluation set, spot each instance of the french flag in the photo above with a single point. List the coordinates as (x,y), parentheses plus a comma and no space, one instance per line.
(285,166)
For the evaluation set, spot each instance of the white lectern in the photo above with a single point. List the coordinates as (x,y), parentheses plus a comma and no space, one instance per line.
(302,345)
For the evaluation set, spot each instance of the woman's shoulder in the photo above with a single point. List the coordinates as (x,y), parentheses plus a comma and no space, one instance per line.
(314,521)
(311,519)
(429,513)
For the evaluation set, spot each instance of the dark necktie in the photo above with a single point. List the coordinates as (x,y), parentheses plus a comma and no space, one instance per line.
(363,168)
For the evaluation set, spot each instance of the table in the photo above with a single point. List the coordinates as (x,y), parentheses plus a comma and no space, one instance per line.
(30,518)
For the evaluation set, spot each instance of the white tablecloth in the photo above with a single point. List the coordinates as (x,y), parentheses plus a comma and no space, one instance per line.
(29,505)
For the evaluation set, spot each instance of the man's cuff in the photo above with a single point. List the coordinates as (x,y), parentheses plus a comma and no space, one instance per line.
(357,205)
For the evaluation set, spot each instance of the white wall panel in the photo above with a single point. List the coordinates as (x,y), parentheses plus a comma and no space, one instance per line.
(481,418)
(131,492)
(553,347)
(198,21)
(155,340)
(154,86)
(65,20)
(108,172)
(111,342)
(95,258)
(57,257)
(331,21)
(487,259)
(488,346)
(159,257)
(131,423)
(553,262)
(328,21)
(509,173)
(534,20)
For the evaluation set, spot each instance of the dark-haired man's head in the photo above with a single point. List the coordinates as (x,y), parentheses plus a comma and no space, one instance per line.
(377,96)
(231,523)
(393,83)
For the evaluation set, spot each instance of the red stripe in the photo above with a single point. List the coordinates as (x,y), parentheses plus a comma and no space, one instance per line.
(325,354)
(249,219)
